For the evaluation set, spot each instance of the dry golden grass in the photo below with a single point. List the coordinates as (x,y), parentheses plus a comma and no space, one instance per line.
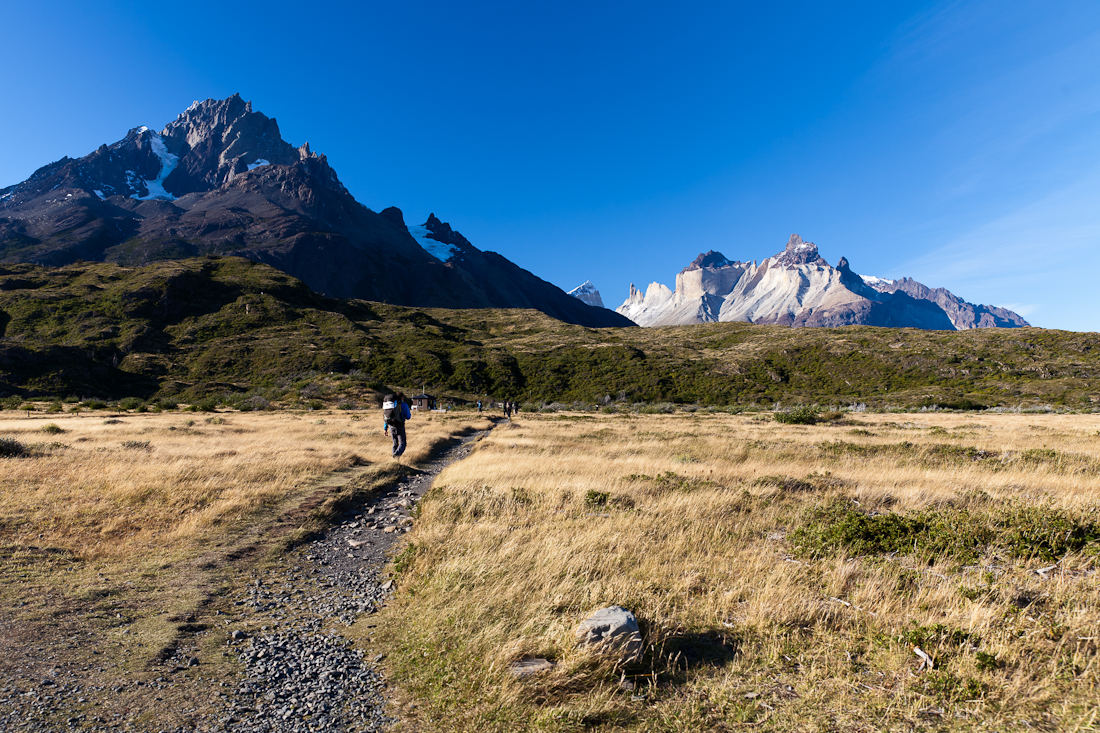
(110,488)
(692,521)
(131,530)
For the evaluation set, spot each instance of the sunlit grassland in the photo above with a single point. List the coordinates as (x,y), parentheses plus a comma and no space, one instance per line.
(128,531)
(782,574)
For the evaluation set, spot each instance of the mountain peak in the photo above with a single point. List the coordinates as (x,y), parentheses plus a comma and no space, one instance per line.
(710,258)
(441,231)
(207,115)
(587,293)
(217,140)
(798,252)
(230,185)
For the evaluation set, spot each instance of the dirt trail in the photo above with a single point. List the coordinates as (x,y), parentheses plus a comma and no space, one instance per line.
(301,674)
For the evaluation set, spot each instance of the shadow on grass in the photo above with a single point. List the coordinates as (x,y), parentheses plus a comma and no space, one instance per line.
(684,651)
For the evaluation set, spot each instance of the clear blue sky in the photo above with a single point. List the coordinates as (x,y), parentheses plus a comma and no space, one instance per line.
(957,143)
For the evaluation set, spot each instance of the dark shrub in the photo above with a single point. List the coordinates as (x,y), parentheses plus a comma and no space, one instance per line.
(11,447)
(801,415)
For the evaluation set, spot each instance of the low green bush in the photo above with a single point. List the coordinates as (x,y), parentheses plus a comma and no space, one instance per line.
(801,415)
(206,404)
(785,483)
(1019,530)
(129,403)
(596,498)
(52,429)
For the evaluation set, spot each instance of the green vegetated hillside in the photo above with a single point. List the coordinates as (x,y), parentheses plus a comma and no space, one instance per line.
(189,328)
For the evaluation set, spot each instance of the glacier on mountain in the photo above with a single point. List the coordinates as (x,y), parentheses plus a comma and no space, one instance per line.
(168,163)
(439,250)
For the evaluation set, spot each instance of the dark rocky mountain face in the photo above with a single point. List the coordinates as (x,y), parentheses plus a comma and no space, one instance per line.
(961,313)
(710,258)
(220,180)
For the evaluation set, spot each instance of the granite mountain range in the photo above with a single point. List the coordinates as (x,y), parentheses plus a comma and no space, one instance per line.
(797,287)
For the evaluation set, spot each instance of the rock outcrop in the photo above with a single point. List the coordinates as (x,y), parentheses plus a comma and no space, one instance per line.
(797,287)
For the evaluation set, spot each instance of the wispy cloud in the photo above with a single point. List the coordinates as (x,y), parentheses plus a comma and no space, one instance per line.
(1048,250)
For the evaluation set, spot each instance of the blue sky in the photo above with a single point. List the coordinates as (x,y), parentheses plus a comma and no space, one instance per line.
(957,143)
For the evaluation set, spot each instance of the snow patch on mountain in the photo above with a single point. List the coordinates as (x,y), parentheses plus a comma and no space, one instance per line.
(877,282)
(168,163)
(435,248)
(259,162)
(587,292)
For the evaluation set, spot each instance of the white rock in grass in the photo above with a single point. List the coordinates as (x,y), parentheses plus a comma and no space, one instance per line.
(613,629)
(529,666)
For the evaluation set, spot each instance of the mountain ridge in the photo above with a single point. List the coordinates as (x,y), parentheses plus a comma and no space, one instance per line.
(798,287)
(219,179)
(186,329)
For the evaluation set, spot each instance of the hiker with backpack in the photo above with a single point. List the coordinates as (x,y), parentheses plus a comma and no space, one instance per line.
(394,414)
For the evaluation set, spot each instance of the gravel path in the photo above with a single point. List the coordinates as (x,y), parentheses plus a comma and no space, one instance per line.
(300,673)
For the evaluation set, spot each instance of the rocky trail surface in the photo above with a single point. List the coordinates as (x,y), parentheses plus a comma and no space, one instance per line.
(299,673)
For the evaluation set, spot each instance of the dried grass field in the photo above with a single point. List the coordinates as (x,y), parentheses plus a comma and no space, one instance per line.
(123,535)
(782,575)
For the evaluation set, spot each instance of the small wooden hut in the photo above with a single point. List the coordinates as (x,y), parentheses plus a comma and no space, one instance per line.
(423,402)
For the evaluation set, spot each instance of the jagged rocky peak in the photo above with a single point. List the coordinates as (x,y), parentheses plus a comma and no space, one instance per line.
(797,287)
(708,259)
(588,293)
(440,241)
(441,231)
(208,118)
(798,253)
(217,140)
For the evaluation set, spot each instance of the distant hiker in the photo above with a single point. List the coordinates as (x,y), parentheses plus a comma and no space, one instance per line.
(515,407)
(394,414)
(507,409)
(479,406)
